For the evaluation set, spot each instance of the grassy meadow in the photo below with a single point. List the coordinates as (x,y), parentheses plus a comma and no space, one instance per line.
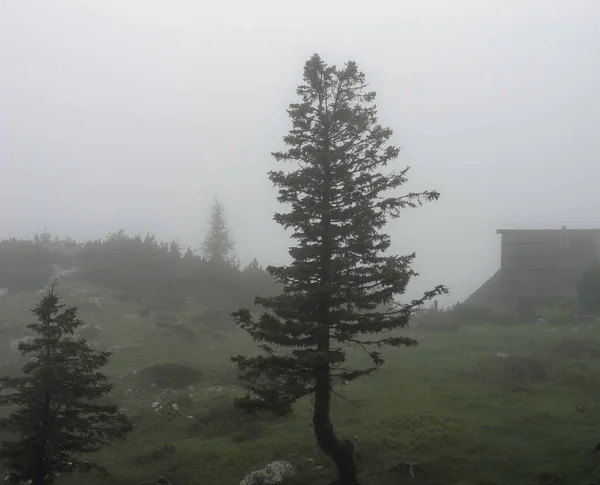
(481,405)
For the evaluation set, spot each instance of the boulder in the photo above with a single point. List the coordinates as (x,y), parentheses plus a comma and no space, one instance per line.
(273,473)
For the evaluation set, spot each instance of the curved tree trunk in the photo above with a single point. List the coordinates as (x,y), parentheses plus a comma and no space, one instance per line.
(339,452)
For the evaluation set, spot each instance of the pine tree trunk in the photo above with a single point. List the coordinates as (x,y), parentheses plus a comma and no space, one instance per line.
(39,473)
(341,455)
(39,462)
(38,479)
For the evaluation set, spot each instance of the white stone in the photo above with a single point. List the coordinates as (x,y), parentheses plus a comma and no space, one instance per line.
(96,300)
(272,474)
(213,389)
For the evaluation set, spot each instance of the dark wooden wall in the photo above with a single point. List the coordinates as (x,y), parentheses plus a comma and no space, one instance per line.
(550,250)
(539,265)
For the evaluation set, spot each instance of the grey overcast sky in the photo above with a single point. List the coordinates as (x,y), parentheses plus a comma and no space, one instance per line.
(133,113)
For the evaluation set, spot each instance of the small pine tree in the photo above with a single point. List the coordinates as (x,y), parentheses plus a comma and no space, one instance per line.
(175,249)
(43,238)
(54,409)
(218,245)
(189,254)
(253,267)
(340,287)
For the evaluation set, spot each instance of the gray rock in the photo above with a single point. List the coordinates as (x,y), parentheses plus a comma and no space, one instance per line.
(96,300)
(272,474)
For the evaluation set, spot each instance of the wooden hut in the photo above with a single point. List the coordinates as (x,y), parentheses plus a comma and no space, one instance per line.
(538,265)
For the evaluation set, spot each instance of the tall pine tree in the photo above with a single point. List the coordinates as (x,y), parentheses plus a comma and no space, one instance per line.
(54,406)
(341,287)
(218,245)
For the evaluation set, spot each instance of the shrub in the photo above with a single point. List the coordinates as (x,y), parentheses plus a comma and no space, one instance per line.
(143,269)
(27,265)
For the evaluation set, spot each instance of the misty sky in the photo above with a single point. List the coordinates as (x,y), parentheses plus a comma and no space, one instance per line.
(134,113)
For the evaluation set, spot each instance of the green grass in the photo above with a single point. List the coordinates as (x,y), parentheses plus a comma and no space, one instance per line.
(445,404)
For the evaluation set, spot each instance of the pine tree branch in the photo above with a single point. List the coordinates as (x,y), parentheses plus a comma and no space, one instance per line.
(350,401)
